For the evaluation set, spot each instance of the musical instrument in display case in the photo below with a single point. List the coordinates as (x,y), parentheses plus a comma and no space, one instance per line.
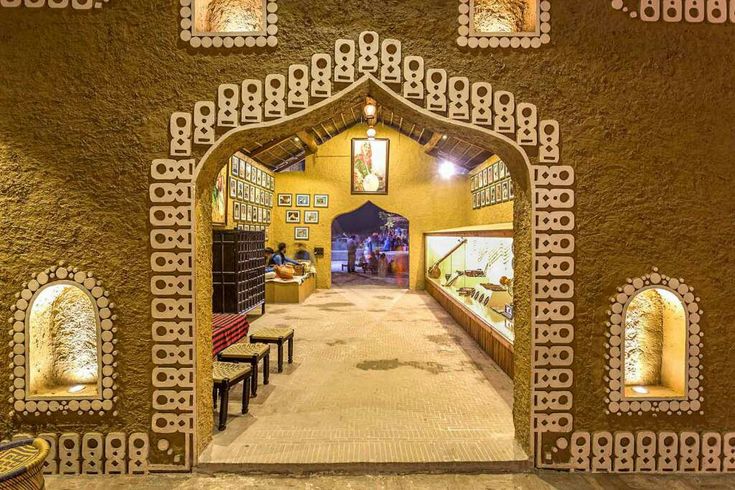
(434,272)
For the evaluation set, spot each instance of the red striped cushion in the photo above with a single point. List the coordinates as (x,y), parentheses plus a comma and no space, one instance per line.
(227,329)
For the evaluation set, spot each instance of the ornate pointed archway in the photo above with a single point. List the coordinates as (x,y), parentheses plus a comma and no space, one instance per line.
(452,105)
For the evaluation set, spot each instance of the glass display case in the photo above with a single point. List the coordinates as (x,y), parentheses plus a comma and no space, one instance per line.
(474,266)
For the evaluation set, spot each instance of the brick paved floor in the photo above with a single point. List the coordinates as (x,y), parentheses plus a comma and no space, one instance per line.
(380,375)
(541,481)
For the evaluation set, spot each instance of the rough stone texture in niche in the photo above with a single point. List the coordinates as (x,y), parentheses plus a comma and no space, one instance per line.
(507,16)
(62,342)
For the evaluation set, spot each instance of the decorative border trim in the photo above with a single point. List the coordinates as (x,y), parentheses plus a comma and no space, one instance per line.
(86,281)
(434,94)
(652,452)
(94,453)
(217,40)
(615,333)
(674,11)
(54,4)
(467,38)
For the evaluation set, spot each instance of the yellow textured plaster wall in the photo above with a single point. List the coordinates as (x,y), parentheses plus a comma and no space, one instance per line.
(644,110)
(415,191)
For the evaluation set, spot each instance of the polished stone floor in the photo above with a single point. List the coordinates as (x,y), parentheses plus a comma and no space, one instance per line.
(541,481)
(380,376)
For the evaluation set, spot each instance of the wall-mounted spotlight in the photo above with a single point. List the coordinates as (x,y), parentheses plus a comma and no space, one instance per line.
(370,111)
(371,132)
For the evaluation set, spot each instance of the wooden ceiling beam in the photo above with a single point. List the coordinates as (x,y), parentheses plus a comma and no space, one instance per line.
(308,141)
(430,146)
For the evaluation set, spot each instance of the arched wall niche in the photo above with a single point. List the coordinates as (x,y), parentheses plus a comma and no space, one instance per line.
(277,107)
(655,348)
(64,345)
(64,348)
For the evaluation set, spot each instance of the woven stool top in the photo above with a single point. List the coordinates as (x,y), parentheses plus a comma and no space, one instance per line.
(243,350)
(229,370)
(273,333)
(18,456)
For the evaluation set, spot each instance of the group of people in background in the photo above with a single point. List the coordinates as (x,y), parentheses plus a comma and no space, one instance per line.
(277,258)
(374,248)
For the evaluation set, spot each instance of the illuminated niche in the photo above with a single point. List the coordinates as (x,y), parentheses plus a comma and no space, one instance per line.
(229,23)
(654,359)
(504,23)
(654,354)
(503,17)
(63,343)
(230,16)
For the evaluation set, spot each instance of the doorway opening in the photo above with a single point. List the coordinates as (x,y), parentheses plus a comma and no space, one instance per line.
(401,360)
(370,248)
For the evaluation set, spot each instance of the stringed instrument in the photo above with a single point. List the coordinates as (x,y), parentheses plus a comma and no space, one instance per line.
(434,271)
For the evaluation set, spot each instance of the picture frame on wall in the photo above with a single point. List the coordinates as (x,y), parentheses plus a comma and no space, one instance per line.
(491,174)
(268,216)
(233,187)
(293,216)
(236,211)
(252,193)
(474,200)
(498,193)
(303,200)
(249,213)
(483,177)
(502,170)
(301,233)
(219,198)
(243,170)
(240,188)
(235,163)
(505,191)
(311,217)
(496,172)
(511,191)
(248,169)
(321,200)
(246,192)
(483,199)
(493,197)
(369,165)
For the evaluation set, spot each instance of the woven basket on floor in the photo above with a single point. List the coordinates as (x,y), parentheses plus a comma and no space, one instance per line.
(21,464)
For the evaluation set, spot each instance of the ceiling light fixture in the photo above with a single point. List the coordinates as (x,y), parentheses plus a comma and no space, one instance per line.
(371,108)
(447,169)
(371,132)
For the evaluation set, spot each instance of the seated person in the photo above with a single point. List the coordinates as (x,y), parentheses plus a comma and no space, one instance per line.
(279,257)
(302,253)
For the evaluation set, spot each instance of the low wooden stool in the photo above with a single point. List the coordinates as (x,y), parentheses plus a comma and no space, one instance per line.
(250,353)
(276,336)
(225,375)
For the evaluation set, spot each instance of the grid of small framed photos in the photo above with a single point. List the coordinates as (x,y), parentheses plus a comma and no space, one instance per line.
(491,185)
(250,189)
(302,216)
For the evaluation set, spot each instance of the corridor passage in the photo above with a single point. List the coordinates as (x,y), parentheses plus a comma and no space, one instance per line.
(380,376)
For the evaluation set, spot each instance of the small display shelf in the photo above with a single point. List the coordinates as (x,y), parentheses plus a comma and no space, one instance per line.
(238,270)
(469,271)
